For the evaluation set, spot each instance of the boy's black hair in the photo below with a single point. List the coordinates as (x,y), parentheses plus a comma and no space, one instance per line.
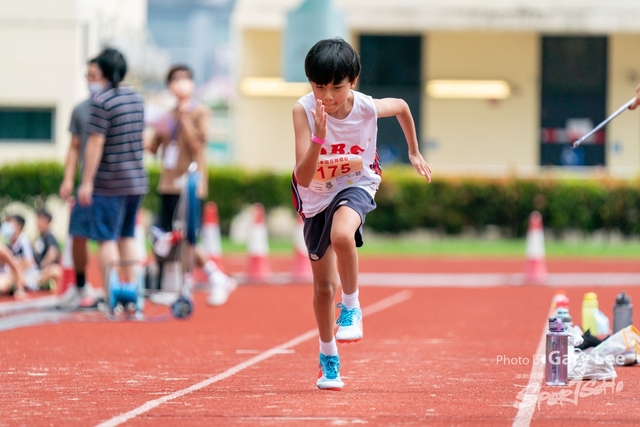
(19,219)
(176,68)
(331,61)
(112,64)
(43,213)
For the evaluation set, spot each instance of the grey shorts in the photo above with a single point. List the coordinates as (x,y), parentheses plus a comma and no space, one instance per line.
(317,229)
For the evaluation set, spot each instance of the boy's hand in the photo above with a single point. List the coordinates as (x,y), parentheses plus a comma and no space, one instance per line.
(320,119)
(637,101)
(66,188)
(421,165)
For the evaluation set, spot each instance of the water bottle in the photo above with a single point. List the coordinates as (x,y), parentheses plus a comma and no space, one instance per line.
(589,307)
(563,314)
(557,353)
(622,312)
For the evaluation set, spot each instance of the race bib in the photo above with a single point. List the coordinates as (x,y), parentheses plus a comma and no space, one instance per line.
(170,156)
(337,171)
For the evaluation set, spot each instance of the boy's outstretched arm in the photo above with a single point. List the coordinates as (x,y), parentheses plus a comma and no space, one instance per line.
(388,107)
(307,152)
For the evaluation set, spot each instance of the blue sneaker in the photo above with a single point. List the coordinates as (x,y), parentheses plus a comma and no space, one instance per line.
(349,325)
(329,373)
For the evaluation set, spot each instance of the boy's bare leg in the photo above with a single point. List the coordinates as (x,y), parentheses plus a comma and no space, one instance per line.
(345,223)
(51,271)
(108,255)
(6,281)
(325,285)
(129,252)
(80,254)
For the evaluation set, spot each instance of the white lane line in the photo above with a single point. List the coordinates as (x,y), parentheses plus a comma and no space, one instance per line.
(425,280)
(394,299)
(527,406)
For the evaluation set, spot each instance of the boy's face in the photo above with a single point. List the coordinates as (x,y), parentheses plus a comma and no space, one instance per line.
(333,96)
(43,224)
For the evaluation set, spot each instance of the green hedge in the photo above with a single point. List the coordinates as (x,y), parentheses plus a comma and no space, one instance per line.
(405,201)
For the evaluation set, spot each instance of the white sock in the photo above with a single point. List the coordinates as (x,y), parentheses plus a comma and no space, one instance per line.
(351,301)
(328,348)
(210,268)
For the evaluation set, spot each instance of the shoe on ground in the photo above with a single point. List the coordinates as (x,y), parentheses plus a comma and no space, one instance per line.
(586,367)
(89,297)
(70,299)
(163,298)
(221,287)
(329,373)
(349,324)
(49,285)
(589,341)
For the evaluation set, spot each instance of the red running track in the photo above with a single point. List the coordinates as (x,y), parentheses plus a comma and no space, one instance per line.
(430,359)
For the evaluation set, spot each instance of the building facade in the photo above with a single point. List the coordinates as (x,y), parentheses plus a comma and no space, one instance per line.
(44,49)
(496,87)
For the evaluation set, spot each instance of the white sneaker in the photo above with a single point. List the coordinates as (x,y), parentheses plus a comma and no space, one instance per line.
(163,298)
(221,286)
(349,325)
(70,299)
(89,296)
(329,373)
(590,367)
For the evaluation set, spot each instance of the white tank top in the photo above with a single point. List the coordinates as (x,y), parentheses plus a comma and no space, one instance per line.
(349,158)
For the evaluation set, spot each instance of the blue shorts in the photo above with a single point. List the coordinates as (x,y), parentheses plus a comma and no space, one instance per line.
(114,217)
(80,220)
(317,229)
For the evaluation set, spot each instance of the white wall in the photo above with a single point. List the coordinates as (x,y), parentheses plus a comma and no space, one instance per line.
(469,136)
(623,134)
(40,67)
(45,46)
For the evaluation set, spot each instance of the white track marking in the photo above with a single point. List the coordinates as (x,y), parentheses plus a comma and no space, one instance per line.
(374,308)
(527,407)
(426,280)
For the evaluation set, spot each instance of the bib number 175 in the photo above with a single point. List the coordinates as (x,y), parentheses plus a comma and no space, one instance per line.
(331,171)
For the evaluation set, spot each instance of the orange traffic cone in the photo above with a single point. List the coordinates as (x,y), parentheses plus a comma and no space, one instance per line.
(301,268)
(258,268)
(211,233)
(140,236)
(68,268)
(536,269)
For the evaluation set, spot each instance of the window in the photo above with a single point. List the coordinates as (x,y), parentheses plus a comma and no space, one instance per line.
(391,66)
(573,100)
(26,125)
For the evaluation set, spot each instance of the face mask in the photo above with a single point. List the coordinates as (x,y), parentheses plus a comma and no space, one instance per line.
(182,87)
(95,88)
(7,230)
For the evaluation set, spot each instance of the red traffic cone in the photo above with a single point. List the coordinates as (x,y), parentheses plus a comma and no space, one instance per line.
(301,268)
(211,240)
(536,269)
(258,267)
(140,236)
(66,262)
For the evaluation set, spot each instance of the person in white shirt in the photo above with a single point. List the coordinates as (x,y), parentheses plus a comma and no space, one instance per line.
(336,176)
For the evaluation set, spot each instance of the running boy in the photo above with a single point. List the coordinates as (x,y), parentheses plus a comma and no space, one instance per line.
(336,177)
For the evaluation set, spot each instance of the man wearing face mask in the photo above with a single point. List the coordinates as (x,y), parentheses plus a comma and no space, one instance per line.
(83,293)
(182,135)
(114,179)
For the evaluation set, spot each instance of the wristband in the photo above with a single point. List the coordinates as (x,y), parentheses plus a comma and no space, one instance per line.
(317,140)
